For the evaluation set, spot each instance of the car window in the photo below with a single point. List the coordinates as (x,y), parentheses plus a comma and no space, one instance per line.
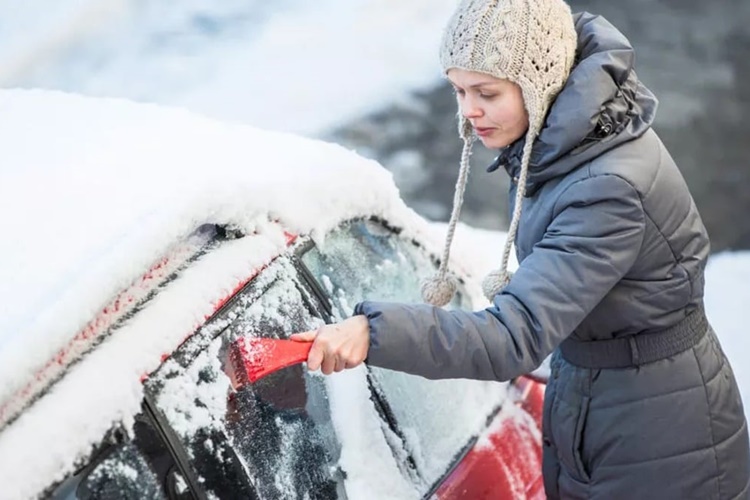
(122,474)
(273,439)
(437,419)
(366,259)
(125,468)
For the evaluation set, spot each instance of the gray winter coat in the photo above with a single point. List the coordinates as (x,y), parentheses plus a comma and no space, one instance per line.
(610,246)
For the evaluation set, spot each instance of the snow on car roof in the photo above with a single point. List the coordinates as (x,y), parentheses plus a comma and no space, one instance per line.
(94,191)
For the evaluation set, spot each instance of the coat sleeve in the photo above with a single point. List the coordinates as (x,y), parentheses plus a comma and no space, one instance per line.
(594,238)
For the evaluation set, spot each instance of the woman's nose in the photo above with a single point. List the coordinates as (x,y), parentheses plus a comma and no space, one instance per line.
(470,109)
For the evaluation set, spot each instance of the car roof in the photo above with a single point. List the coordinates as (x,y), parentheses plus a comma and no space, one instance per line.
(98,192)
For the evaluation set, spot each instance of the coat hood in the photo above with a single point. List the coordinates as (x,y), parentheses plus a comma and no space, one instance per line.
(602,105)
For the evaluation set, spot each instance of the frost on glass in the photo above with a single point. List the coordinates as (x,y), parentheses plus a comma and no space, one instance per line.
(127,465)
(124,474)
(437,419)
(273,438)
(366,260)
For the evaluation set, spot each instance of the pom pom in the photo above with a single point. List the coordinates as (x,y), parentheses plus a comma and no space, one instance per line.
(439,290)
(494,282)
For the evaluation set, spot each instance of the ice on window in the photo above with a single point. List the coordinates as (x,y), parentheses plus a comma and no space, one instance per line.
(276,431)
(436,420)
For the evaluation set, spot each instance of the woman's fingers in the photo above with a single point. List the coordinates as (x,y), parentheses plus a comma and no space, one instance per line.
(318,350)
(329,363)
(340,364)
(304,336)
(337,346)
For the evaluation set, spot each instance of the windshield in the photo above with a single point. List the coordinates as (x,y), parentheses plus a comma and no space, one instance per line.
(437,419)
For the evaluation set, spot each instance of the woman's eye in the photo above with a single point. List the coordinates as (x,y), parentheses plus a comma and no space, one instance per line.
(458,92)
(486,96)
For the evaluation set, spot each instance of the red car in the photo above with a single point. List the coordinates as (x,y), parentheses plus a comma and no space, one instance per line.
(143,399)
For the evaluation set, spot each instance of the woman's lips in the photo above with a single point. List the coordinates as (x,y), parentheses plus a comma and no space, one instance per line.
(483,132)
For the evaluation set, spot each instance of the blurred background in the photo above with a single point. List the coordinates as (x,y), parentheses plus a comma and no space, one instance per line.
(365,73)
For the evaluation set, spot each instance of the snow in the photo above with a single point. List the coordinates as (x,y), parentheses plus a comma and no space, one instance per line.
(93,193)
(131,190)
(727,299)
(235,60)
(364,455)
(84,185)
(187,421)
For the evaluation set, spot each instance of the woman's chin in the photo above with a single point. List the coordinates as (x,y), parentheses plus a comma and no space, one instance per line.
(490,142)
(499,140)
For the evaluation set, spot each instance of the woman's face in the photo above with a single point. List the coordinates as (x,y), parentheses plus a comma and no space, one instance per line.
(493,106)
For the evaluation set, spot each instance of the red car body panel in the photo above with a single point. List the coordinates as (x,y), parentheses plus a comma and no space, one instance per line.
(507,463)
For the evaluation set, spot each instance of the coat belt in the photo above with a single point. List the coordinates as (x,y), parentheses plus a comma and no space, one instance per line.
(638,349)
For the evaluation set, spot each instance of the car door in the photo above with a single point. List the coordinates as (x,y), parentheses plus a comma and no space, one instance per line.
(438,421)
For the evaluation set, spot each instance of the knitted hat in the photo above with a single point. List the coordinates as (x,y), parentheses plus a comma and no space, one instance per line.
(529,42)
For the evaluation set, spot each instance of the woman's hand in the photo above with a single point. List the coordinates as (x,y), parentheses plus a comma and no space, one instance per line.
(337,346)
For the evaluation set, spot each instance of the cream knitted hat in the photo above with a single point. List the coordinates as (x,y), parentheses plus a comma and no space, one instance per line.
(529,42)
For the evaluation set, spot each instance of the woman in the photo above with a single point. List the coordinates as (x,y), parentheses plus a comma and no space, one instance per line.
(641,402)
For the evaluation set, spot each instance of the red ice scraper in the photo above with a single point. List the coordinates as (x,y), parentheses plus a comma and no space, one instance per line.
(253,358)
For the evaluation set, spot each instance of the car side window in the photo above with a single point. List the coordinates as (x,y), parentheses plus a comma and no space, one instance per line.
(367,260)
(122,474)
(437,419)
(125,468)
(272,439)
